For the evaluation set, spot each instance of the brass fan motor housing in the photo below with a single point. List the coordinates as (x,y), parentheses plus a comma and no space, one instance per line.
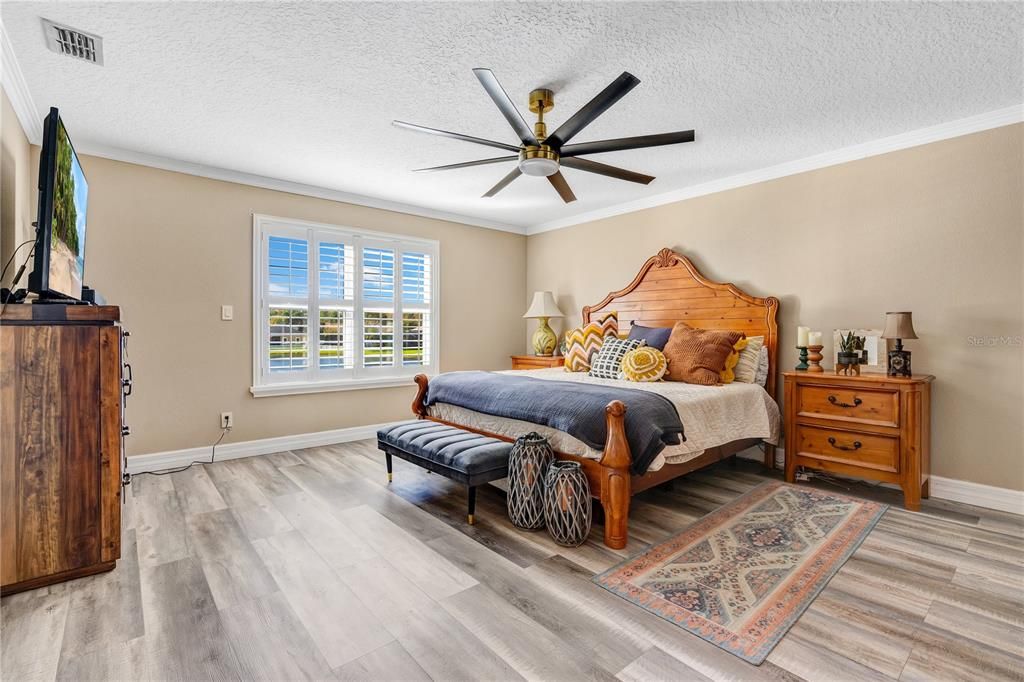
(540,152)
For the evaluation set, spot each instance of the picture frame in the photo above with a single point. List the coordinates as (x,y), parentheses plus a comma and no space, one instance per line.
(874,345)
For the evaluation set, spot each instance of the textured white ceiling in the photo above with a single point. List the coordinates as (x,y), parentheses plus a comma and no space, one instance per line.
(306,92)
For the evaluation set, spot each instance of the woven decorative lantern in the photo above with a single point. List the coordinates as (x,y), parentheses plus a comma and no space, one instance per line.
(527,465)
(567,504)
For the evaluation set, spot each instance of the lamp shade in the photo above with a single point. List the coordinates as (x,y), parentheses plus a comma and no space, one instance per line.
(898,326)
(543,306)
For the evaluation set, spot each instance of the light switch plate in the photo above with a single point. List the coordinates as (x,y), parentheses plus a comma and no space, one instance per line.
(227,312)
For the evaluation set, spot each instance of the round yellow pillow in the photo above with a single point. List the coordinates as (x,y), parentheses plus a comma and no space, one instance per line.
(644,364)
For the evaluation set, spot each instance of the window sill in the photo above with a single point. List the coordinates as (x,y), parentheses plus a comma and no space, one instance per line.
(271,390)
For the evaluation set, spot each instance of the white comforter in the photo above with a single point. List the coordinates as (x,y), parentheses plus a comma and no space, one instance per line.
(711,416)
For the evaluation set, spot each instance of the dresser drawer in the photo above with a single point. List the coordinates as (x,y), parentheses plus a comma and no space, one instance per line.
(878,407)
(863,450)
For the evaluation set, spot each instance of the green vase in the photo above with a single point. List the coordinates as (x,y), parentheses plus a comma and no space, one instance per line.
(544,339)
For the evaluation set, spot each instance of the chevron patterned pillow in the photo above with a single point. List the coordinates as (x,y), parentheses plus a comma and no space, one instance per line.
(583,343)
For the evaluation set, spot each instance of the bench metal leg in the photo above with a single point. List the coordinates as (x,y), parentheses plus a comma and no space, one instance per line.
(387,460)
(472,504)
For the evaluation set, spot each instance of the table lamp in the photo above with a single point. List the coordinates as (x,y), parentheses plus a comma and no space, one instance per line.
(899,326)
(542,308)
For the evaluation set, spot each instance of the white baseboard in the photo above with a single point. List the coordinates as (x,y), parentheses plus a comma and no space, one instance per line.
(952,489)
(978,494)
(158,461)
(966,492)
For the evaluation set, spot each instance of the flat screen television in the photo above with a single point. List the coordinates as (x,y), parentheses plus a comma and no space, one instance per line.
(60,232)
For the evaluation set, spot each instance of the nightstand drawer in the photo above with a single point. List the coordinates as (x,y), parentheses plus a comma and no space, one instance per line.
(863,450)
(537,361)
(852,404)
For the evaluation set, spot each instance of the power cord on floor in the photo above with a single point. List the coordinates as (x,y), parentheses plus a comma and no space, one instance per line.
(164,472)
(846,484)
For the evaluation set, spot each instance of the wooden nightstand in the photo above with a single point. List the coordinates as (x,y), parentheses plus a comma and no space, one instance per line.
(871,426)
(537,361)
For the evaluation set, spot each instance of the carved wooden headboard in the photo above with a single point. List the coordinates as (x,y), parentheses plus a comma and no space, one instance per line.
(669,289)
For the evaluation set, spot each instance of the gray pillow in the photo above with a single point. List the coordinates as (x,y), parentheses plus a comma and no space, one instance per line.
(656,337)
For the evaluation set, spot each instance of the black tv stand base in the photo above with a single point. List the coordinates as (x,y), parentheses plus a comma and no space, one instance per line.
(59,301)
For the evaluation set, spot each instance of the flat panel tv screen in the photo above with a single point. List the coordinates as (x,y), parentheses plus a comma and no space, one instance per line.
(63,200)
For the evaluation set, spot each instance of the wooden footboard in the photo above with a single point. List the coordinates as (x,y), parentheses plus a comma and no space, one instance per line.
(611,481)
(609,477)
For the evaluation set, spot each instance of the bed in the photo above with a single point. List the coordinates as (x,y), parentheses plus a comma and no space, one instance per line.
(720,421)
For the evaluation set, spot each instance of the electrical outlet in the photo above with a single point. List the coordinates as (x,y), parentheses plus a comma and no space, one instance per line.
(227,420)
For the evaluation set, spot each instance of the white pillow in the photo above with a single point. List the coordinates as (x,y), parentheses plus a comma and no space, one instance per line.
(750,357)
(761,377)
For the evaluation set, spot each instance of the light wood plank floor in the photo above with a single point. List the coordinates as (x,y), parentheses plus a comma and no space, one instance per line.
(307,565)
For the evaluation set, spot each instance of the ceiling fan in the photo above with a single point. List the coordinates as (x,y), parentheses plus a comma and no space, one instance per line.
(543,155)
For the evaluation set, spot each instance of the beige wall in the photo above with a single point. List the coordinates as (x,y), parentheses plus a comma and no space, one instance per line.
(935,229)
(170,249)
(17,189)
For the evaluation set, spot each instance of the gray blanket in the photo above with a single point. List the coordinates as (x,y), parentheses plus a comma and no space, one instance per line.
(652,421)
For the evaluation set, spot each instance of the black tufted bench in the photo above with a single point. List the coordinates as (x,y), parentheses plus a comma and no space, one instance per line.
(463,456)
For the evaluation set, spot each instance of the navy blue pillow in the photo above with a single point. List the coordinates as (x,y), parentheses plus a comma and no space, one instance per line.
(656,337)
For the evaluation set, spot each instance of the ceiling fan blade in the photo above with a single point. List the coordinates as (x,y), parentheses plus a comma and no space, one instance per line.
(605,169)
(503,183)
(466,164)
(592,109)
(505,105)
(621,143)
(455,136)
(562,187)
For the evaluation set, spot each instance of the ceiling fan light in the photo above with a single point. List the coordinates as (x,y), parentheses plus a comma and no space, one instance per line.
(538,167)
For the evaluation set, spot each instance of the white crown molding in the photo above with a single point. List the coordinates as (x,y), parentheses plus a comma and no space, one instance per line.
(952,489)
(158,461)
(253,180)
(17,91)
(914,138)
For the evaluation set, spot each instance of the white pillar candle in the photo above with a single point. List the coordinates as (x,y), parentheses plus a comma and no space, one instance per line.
(814,339)
(801,336)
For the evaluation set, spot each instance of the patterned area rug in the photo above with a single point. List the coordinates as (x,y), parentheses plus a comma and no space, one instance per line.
(743,574)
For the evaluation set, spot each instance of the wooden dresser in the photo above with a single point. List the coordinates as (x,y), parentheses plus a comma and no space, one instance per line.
(60,443)
(871,426)
(537,361)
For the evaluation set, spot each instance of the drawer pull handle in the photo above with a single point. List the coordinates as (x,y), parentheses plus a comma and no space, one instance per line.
(856,444)
(835,401)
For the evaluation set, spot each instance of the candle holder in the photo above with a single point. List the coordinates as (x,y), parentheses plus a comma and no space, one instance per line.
(802,365)
(815,357)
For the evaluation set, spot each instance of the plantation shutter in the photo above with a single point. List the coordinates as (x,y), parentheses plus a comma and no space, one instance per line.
(335,306)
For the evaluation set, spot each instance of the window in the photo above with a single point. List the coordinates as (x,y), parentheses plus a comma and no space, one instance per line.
(336,308)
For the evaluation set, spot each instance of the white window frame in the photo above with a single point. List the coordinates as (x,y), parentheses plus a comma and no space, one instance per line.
(314,379)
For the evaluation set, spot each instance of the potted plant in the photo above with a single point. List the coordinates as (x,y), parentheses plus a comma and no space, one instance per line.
(848,354)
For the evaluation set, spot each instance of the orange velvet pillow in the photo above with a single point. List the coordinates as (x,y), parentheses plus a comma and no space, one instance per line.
(697,356)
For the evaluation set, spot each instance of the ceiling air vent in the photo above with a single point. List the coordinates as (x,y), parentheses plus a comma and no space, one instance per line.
(73,43)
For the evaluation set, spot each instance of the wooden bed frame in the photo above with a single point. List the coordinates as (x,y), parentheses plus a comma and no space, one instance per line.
(668,289)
